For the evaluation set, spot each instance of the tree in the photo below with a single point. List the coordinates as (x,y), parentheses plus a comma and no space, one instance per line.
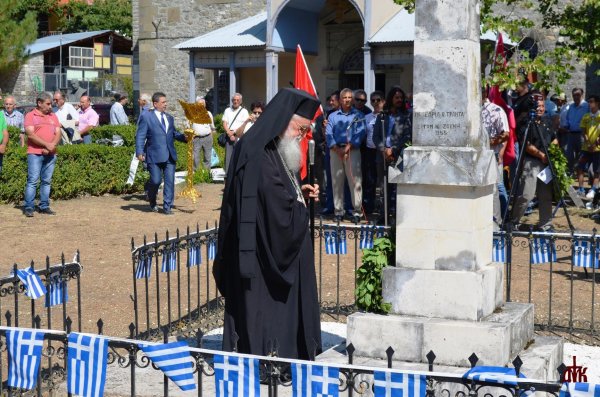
(115,15)
(576,26)
(18,28)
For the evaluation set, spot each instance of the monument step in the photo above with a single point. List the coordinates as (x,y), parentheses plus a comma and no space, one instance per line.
(540,360)
(496,339)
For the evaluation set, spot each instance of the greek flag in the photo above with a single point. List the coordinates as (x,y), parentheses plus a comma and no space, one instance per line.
(498,375)
(86,364)
(499,249)
(343,248)
(395,384)
(331,247)
(366,237)
(194,254)
(24,357)
(236,376)
(34,288)
(582,254)
(175,361)
(144,266)
(56,287)
(579,390)
(212,249)
(315,381)
(542,251)
(169,259)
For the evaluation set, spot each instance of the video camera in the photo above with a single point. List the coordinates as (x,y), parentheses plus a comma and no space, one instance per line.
(532,101)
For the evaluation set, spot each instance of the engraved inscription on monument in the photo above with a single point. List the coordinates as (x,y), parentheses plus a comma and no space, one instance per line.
(440,124)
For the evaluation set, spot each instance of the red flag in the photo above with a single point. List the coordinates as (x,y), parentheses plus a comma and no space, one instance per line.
(303,81)
(495,96)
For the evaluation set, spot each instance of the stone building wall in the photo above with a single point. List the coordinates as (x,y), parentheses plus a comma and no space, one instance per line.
(19,82)
(161,67)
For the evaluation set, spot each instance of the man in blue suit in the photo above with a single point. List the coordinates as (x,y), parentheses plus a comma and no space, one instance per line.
(154,143)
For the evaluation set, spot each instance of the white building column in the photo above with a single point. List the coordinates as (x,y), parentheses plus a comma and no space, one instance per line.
(272,68)
(216,87)
(192,78)
(369,71)
(232,75)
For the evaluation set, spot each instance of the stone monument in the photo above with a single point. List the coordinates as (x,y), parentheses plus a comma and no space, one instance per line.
(446,294)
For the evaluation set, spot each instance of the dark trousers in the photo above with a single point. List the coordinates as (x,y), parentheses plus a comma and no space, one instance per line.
(158,171)
(369,177)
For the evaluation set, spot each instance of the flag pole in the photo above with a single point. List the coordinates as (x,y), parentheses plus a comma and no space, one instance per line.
(311,180)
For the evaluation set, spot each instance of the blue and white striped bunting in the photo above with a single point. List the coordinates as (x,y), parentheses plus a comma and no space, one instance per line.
(542,250)
(212,248)
(579,390)
(169,259)
(194,254)
(34,288)
(499,249)
(368,234)
(86,364)
(310,380)
(236,376)
(144,265)
(498,375)
(57,290)
(24,357)
(335,242)
(175,361)
(397,384)
(582,254)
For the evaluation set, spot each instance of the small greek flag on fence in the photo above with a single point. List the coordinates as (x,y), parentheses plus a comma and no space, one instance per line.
(499,249)
(34,288)
(579,390)
(582,254)
(194,254)
(86,368)
(169,259)
(236,376)
(315,381)
(56,288)
(542,251)
(335,243)
(175,361)
(499,375)
(368,235)
(395,384)
(24,357)
(212,249)
(144,265)
(343,247)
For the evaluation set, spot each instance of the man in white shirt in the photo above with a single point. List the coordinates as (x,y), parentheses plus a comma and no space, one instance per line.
(233,117)
(68,117)
(117,112)
(203,140)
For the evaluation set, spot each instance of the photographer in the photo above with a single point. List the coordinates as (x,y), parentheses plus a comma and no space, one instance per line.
(540,134)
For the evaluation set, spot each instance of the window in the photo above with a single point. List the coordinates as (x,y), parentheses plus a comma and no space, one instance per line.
(81,57)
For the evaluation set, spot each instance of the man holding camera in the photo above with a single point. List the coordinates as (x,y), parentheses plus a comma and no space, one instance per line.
(540,134)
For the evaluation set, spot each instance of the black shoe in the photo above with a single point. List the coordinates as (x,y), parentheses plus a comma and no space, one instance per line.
(168,212)
(46,211)
(338,218)
(28,213)
(154,208)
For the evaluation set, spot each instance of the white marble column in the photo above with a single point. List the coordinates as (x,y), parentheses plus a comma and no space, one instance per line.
(192,78)
(272,70)
(232,75)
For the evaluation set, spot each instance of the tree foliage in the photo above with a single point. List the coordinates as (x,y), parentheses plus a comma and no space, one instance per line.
(575,25)
(115,15)
(18,28)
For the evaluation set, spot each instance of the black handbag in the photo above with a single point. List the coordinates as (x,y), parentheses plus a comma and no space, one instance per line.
(222,139)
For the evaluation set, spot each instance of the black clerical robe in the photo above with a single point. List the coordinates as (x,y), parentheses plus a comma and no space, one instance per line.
(271,303)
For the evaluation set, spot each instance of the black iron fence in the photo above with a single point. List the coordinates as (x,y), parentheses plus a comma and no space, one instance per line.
(173,284)
(61,280)
(275,376)
(555,271)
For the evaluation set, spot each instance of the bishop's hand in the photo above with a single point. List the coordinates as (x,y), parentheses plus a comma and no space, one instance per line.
(310,191)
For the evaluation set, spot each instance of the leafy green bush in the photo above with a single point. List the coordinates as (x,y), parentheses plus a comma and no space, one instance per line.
(368,276)
(560,165)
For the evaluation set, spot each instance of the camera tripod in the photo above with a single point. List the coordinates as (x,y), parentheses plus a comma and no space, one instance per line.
(519,170)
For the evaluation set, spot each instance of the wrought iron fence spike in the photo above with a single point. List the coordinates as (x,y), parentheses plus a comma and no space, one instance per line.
(473,359)
(100,325)
(131,330)
(37,321)
(68,323)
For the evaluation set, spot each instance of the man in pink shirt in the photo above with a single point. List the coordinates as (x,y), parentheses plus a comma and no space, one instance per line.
(43,134)
(88,119)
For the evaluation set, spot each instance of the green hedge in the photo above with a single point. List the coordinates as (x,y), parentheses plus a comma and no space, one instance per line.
(86,169)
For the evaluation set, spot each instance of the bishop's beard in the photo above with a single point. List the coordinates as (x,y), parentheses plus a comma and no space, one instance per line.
(289,147)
